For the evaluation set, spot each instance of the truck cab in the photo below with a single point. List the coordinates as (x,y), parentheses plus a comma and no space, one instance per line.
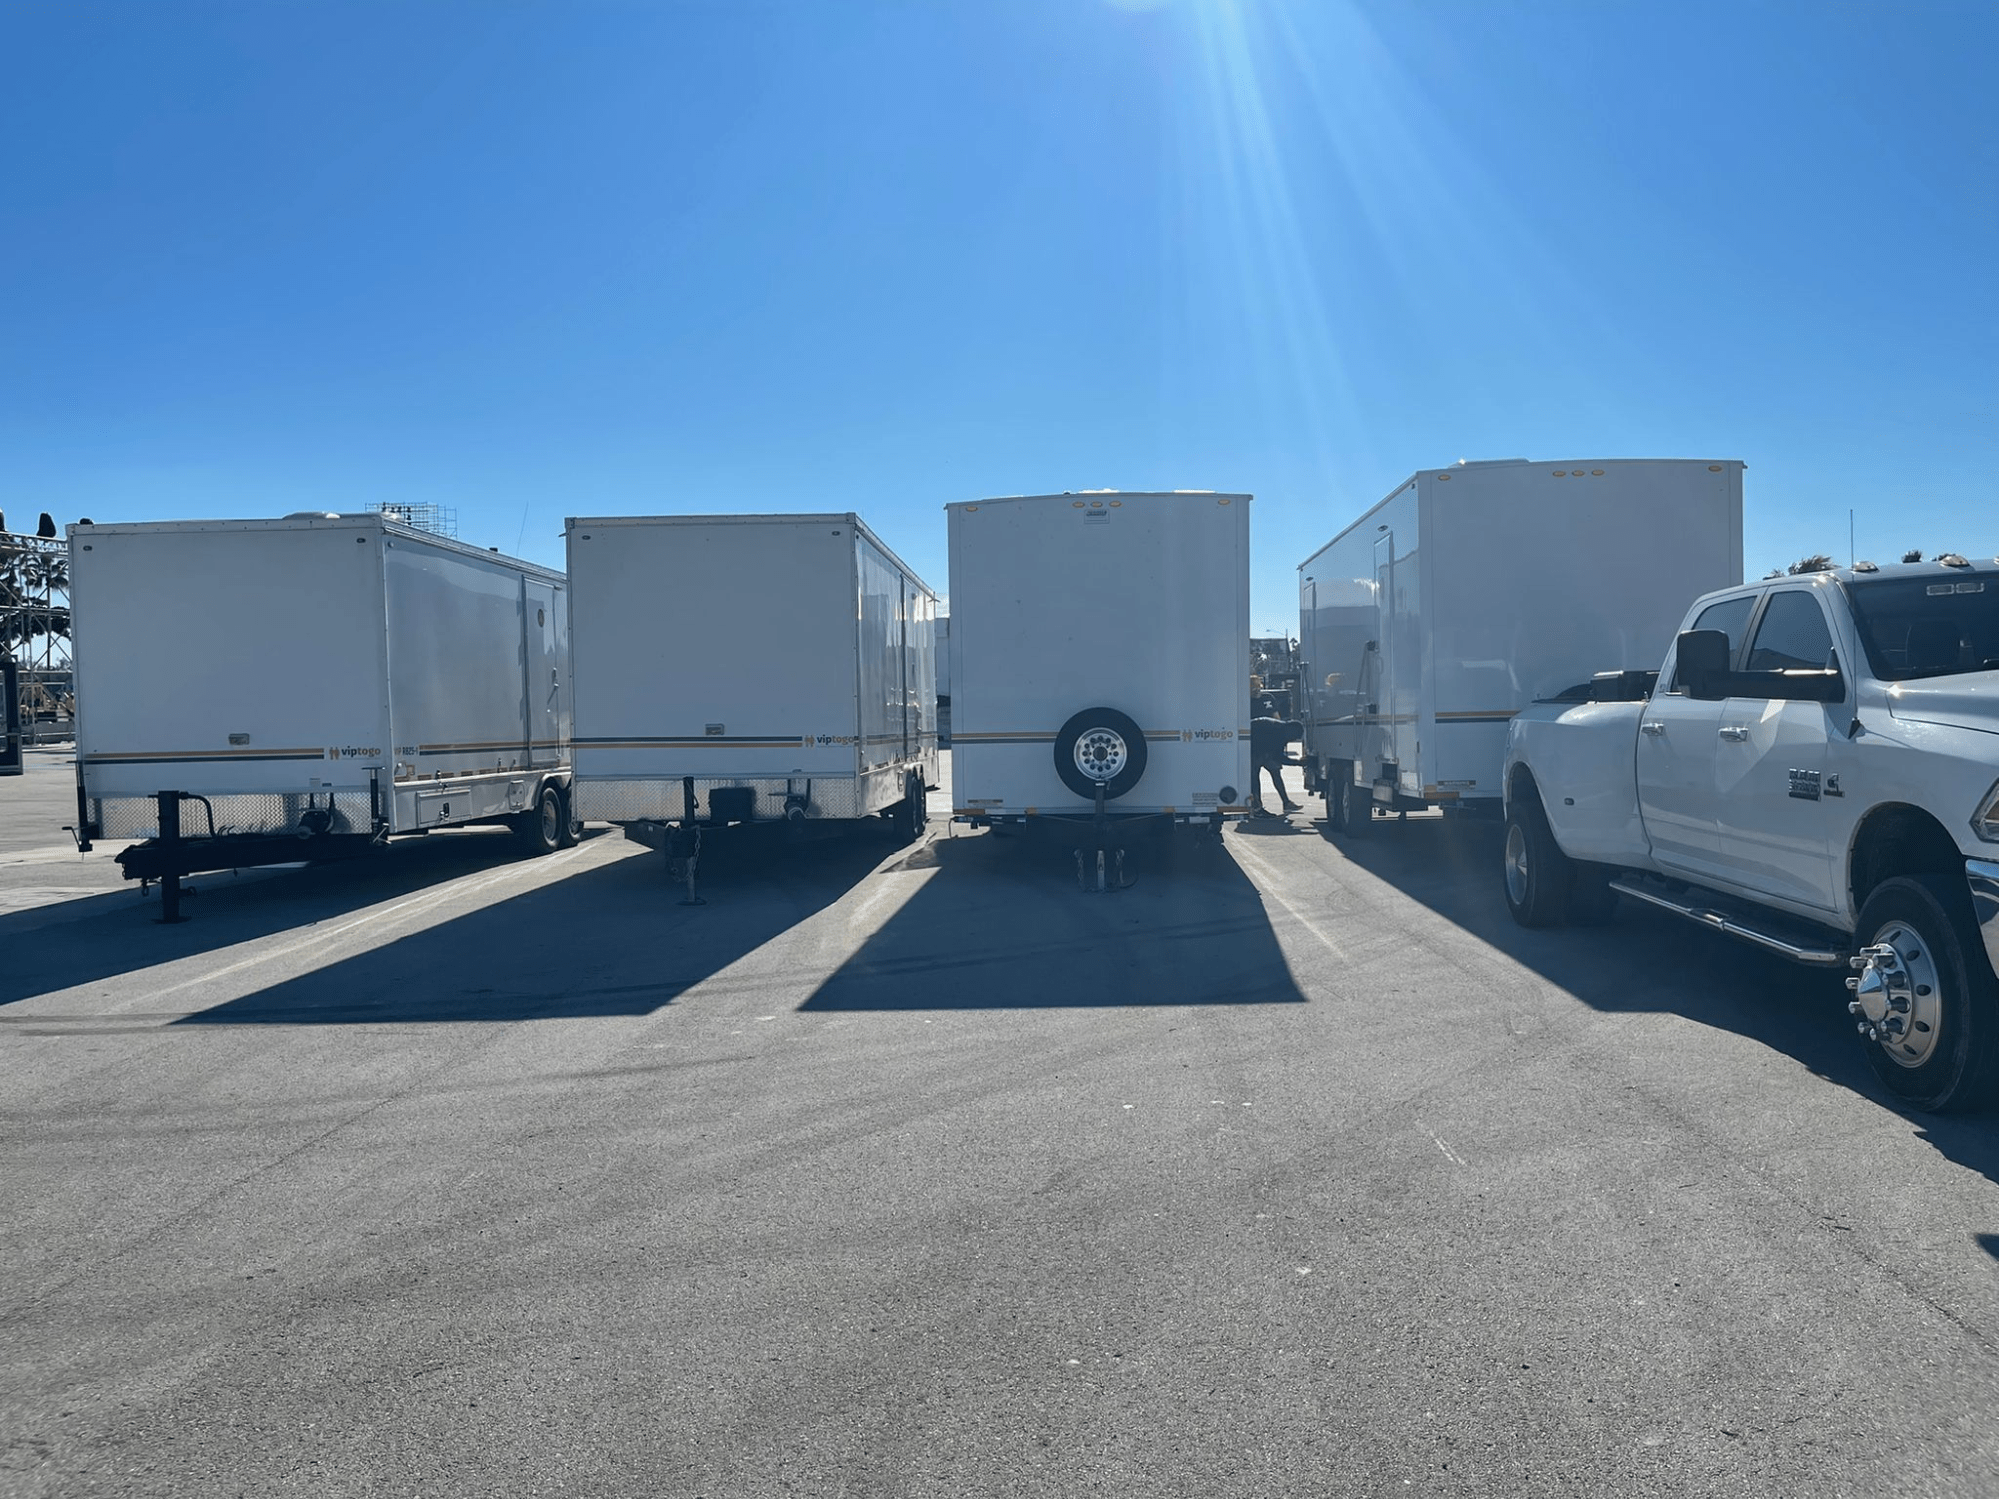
(1815,769)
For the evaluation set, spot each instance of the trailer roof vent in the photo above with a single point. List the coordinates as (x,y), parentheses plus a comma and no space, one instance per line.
(313,515)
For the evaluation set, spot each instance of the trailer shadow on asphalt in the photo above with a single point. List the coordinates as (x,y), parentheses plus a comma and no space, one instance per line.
(1001,924)
(609,940)
(61,944)
(1646,961)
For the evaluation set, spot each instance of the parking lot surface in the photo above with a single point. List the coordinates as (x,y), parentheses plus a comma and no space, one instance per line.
(917,1170)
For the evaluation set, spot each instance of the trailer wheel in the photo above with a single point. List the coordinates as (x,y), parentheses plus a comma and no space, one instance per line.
(1349,811)
(572,826)
(542,825)
(1925,999)
(1100,745)
(912,813)
(1537,872)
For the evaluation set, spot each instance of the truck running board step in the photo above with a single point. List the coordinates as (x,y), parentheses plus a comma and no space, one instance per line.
(1713,911)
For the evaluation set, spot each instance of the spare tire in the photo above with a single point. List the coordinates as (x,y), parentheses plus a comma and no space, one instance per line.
(1100,745)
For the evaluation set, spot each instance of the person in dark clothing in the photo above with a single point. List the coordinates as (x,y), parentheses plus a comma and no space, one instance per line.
(1267,739)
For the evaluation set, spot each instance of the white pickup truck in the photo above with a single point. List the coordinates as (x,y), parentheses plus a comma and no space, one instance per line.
(1814,768)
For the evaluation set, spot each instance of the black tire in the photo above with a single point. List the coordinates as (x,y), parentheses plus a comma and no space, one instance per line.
(1944,1057)
(1592,903)
(1110,738)
(1329,785)
(1353,811)
(1536,873)
(541,826)
(572,826)
(912,813)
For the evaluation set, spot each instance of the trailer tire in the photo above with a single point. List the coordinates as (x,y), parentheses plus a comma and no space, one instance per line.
(541,826)
(1110,740)
(1947,1061)
(1351,812)
(1537,873)
(572,826)
(912,813)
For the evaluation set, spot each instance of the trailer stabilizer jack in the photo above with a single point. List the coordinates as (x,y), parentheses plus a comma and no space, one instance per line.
(1106,858)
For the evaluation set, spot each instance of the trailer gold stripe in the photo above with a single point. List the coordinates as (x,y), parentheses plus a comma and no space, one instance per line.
(1037,737)
(701,744)
(161,757)
(481,745)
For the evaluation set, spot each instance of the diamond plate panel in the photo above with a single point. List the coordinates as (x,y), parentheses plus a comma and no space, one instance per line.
(139,817)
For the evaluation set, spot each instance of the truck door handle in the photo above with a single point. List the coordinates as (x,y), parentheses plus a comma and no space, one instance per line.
(1652,726)
(1736,732)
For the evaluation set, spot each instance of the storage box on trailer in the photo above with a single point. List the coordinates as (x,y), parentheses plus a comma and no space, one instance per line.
(312,680)
(1100,640)
(749,669)
(1474,590)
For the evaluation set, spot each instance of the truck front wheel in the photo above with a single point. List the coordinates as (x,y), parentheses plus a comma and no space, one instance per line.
(1537,872)
(1925,999)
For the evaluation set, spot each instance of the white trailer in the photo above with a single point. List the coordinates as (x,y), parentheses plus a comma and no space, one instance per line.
(737,670)
(1475,590)
(1100,661)
(269,691)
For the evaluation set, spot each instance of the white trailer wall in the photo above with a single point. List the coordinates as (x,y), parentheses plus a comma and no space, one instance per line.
(1487,586)
(788,654)
(262,663)
(1131,601)
(231,661)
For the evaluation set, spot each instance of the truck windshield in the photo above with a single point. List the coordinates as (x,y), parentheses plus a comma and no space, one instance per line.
(1929,627)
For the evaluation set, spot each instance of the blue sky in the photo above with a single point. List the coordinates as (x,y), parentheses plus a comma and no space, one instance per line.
(537,260)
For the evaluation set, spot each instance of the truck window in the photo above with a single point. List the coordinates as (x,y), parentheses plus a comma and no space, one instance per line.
(1928,626)
(1729,615)
(1792,635)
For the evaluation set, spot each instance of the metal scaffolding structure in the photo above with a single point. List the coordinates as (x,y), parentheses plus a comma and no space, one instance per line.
(439,520)
(35,632)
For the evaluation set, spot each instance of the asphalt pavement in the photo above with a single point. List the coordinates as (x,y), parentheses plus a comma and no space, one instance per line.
(1298,1169)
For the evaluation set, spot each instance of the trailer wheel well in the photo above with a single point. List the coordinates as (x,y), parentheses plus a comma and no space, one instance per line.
(1897,839)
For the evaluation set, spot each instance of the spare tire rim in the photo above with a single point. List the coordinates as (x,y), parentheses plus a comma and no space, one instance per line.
(1101,754)
(1897,995)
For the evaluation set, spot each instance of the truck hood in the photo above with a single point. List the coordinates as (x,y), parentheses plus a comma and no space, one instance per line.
(1968,700)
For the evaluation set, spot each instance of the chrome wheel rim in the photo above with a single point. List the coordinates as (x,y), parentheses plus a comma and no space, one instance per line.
(551,820)
(1898,995)
(1516,863)
(1101,754)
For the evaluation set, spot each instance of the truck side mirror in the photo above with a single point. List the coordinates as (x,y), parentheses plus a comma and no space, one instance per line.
(1825,686)
(1702,660)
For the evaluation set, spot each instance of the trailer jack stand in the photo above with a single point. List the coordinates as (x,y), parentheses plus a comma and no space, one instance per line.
(170,891)
(1109,866)
(1100,848)
(683,848)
